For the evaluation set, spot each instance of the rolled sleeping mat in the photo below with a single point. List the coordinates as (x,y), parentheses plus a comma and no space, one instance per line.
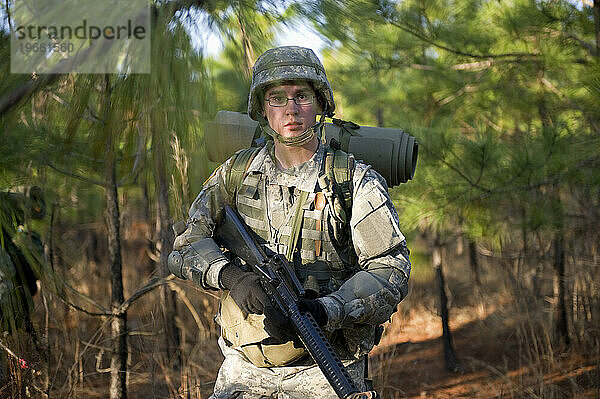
(230,132)
(391,152)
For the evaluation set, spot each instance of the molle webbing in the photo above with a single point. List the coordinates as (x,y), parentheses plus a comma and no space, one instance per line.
(334,261)
(343,165)
(296,224)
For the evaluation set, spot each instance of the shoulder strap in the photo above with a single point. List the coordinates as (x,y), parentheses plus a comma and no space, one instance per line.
(236,173)
(347,129)
(296,224)
(339,167)
(343,170)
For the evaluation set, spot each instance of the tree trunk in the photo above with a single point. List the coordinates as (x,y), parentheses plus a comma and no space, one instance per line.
(560,296)
(118,361)
(165,237)
(145,197)
(12,99)
(247,47)
(452,362)
(561,329)
(474,263)
(597,25)
(379,116)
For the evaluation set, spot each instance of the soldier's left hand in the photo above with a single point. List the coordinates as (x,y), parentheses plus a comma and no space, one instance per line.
(315,308)
(278,327)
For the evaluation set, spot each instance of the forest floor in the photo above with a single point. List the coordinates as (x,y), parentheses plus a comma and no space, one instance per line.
(409,362)
(504,352)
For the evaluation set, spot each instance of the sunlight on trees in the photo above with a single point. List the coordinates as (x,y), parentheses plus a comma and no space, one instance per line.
(502,96)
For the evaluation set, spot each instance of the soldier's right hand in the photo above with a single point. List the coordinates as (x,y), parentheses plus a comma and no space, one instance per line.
(245,289)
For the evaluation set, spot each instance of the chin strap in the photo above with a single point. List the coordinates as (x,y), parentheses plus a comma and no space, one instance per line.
(296,141)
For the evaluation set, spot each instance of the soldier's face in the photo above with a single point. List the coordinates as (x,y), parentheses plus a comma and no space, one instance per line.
(291,119)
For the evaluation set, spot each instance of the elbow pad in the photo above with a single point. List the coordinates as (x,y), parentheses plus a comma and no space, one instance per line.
(200,262)
(366,298)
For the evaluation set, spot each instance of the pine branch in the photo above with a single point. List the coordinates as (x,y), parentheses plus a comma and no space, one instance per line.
(86,298)
(465,89)
(456,170)
(546,83)
(152,284)
(458,52)
(8,17)
(508,188)
(74,175)
(184,298)
(588,46)
(597,24)
(91,118)
(79,308)
(474,66)
(13,98)
(135,170)
(468,66)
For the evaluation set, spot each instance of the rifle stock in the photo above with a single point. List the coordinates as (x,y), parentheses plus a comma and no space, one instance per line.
(284,289)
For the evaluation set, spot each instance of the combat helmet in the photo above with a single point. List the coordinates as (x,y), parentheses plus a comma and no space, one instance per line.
(288,63)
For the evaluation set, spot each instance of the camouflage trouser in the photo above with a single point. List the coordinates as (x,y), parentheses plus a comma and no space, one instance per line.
(240,379)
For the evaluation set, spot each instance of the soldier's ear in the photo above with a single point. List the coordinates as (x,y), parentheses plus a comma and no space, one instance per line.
(318,107)
(319,104)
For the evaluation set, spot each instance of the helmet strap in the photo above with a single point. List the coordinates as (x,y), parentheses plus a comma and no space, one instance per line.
(297,141)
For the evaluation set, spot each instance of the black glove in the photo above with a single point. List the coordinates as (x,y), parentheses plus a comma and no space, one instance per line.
(245,289)
(315,308)
(278,327)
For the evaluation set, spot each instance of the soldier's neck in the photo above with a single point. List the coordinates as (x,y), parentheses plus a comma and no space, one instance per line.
(287,157)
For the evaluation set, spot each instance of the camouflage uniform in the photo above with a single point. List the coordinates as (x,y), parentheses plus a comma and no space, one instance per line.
(357,297)
(351,308)
(239,378)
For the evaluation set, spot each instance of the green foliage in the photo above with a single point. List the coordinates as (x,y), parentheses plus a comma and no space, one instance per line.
(247,31)
(502,96)
(493,91)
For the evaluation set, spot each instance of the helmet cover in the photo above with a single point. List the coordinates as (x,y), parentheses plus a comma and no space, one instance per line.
(287,63)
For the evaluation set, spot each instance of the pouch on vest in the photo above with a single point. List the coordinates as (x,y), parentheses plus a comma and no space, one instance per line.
(245,333)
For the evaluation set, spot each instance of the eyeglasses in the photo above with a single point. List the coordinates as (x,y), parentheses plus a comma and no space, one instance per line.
(282,101)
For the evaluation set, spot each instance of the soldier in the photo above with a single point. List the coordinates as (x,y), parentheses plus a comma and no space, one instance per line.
(331,216)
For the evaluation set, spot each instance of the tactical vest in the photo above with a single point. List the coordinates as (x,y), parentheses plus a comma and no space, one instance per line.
(321,268)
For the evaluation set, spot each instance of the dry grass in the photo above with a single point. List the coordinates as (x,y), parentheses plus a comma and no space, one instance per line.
(503,337)
(504,340)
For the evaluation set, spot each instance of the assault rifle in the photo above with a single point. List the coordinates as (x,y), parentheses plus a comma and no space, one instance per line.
(284,290)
